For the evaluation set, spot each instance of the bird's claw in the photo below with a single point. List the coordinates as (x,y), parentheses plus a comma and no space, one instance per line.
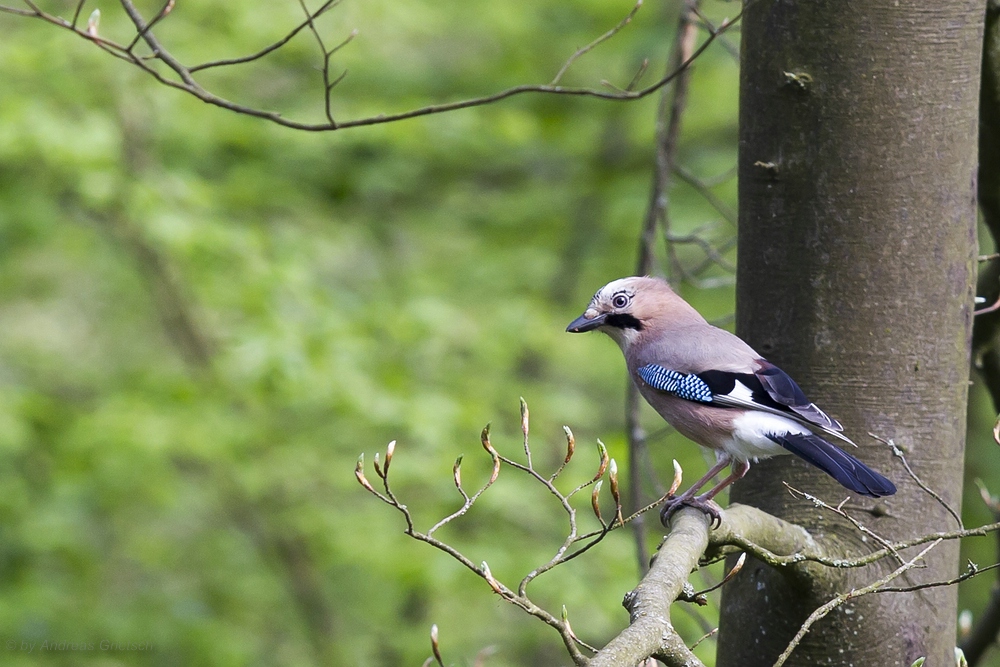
(709,507)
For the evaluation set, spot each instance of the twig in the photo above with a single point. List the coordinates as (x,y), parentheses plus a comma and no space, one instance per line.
(76,13)
(638,75)
(984,633)
(189,85)
(839,511)
(899,453)
(729,47)
(329,4)
(589,47)
(803,549)
(726,579)
(156,19)
(988,309)
(703,188)
(518,598)
(844,597)
(706,247)
(724,247)
(327,54)
(637,515)
(668,131)
(524,431)
(974,570)
(456,472)
(708,634)
(570,450)
(20,12)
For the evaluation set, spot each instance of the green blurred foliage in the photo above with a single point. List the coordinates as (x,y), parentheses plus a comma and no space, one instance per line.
(981,463)
(207,318)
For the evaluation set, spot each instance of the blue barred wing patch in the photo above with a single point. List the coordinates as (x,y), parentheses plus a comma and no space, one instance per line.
(689,387)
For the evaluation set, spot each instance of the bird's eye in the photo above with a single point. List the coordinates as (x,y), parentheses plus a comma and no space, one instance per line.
(620,301)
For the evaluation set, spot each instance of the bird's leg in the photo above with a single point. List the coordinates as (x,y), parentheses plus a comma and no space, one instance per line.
(704,501)
(739,469)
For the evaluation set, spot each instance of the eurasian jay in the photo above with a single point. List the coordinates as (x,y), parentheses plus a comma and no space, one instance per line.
(717,391)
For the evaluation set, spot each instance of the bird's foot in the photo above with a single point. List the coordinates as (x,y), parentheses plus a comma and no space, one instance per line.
(706,505)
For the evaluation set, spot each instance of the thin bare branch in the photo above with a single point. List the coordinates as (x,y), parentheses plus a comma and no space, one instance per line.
(347,40)
(518,598)
(524,431)
(326,6)
(899,454)
(839,511)
(189,85)
(469,500)
(76,12)
(809,555)
(694,239)
(703,188)
(638,75)
(725,580)
(974,570)
(327,86)
(156,19)
(710,633)
(18,11)
(154,45)
(668,132)
(589,47)
(844,597)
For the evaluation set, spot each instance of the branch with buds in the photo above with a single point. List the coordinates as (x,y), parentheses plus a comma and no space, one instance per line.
(575,543)
(690,544)
(180,76)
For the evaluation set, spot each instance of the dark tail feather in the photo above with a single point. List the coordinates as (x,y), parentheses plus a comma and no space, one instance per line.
(837,463)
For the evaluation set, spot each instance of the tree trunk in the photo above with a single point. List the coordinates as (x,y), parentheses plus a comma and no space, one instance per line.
(858,130)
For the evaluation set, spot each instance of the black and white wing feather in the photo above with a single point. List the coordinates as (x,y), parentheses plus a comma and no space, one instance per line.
(785,391)
(769,389)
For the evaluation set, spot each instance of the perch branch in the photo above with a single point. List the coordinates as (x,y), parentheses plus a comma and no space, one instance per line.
(650,631)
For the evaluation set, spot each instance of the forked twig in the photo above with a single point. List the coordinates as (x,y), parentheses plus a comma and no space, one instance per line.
(183,79)
(845,597)
(326,6)
(519,597)
(839,511)
(589,47)
(899,454)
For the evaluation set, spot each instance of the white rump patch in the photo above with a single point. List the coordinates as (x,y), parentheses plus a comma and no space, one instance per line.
(749,441)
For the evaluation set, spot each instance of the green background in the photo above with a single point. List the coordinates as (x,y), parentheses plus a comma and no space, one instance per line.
(206,318)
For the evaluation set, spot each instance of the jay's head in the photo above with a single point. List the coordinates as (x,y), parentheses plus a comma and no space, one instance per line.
(625,307)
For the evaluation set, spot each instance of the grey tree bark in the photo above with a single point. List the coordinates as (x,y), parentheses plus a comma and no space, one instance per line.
(858,135)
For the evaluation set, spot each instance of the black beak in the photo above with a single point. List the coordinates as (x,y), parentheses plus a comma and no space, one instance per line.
(581,324)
